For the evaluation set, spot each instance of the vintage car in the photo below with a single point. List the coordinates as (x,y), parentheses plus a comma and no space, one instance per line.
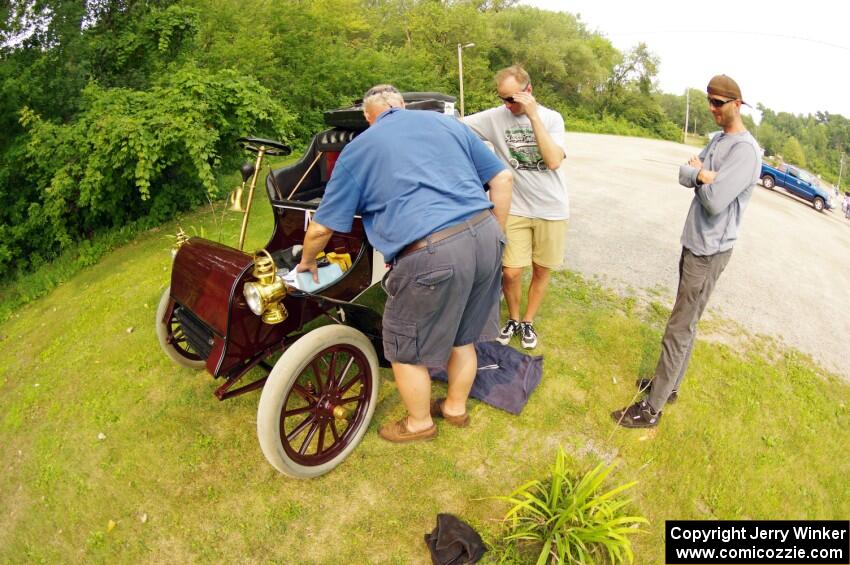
(234,313)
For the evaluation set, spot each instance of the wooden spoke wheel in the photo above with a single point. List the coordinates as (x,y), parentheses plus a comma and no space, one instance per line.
(318,401)
(172,339)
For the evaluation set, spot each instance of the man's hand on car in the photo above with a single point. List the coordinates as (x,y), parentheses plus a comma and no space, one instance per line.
(311,266)
(315,240)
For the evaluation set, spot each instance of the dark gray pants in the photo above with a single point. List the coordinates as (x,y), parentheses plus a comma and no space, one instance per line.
(697,277)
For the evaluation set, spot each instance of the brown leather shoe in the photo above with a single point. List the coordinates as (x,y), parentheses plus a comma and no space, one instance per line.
(437,412)
(397,432)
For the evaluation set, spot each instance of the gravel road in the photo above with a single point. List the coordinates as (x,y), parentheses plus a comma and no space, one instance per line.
(789,276)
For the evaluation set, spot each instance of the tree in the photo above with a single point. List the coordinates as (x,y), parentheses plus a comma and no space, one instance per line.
(635,72)
(769,138)
(565,61)
(116,110)
(793,152)
(700,119)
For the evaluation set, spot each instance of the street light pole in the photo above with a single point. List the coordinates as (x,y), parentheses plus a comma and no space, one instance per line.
(460,48)
(687,112)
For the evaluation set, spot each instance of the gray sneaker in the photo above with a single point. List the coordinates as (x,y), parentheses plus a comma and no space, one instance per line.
(509,330)
(529,336)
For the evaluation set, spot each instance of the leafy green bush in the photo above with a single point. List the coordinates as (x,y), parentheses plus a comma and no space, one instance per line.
(570,519)
(129,154)
(606,124)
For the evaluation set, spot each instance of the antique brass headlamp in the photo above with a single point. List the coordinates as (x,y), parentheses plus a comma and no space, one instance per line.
(264,295)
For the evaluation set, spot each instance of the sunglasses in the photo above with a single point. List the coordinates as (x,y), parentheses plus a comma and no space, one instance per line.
(716,103)
(510,99)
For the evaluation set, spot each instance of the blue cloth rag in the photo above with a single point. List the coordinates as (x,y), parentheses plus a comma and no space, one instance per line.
(505,377)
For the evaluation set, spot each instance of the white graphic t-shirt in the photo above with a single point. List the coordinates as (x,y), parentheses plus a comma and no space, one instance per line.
(538,191)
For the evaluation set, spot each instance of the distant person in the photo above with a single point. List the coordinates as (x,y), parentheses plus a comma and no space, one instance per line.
(529,138)
(722,176)
(417,179)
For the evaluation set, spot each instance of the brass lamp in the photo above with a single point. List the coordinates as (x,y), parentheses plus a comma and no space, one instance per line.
(265,294)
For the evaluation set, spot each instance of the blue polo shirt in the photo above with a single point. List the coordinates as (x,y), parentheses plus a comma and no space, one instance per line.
(412,173)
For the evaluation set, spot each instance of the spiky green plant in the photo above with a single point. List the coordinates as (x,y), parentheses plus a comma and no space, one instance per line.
(573,520)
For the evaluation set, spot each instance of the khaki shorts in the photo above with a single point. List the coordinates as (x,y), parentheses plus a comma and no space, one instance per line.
(543,242)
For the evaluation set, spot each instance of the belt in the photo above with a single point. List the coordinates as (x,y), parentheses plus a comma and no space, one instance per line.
(445,233)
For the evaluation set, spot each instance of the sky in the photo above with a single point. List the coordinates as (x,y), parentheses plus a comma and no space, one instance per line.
(789,56)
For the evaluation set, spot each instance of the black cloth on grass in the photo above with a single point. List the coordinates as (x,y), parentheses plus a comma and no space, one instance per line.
(454,542)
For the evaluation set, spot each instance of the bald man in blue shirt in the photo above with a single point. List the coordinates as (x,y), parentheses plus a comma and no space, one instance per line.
(418,179)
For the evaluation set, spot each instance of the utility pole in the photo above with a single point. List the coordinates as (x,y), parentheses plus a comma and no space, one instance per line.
(460,48)
(687,112)
(840,171)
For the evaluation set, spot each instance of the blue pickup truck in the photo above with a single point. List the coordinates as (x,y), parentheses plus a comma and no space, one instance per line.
(796,181)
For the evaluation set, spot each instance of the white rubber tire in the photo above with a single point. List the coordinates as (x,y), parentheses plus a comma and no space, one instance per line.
(162,337)
(284,374)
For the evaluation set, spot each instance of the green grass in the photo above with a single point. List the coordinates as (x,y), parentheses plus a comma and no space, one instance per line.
(759,432)
(696,140)
(27,285)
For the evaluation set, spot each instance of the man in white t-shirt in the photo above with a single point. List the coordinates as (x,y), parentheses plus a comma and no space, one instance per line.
(530,139)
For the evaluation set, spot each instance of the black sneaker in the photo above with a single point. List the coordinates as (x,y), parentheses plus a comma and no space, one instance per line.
(645,385)
(529,336)
(509,330)
(638,415)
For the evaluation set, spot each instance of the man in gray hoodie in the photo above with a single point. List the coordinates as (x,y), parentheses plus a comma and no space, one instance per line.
(722,176)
